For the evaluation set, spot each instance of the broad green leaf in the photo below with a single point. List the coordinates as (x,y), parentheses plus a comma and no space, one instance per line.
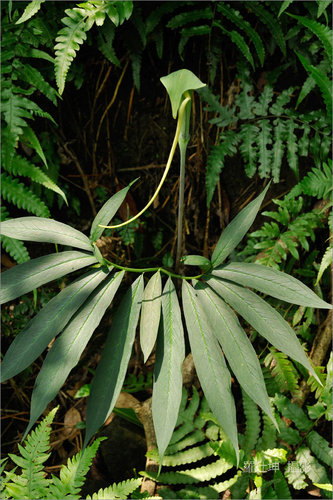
(107,212)
(50,320)
(236,346)
(272,282)
(177,83)
(196,260)
(264,318)
(150,314)
(111,370)
(30,275)
(236,230)
(45,230)
(210,365)
(66,351)
(168,380)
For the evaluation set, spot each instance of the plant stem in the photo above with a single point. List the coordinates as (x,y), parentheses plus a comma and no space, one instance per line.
(180,208)
(183,139)
(152,270)
(180,125)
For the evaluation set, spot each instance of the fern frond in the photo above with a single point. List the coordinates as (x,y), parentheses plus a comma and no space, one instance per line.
(278,148)
(15,248)
(277,108)
(181,20)
(31,9)
(193,454)
(215,161)
(117,491)
(320,447)
(265,154)
(21,166)
(237,18)
(267,440)
(238,40)
(311,467)
(136,60)
(33,77)
(245,101)
(32,483)
(322,81)
(260,107)
(325,263)
(272,24)
(322,6)
(72,476)
(292,411)
(252,424)
(318,182)
(18,194)
(68,43)
(191,439)
(283,370)
(248,147)
(324,33)
(191,476)
(104,39)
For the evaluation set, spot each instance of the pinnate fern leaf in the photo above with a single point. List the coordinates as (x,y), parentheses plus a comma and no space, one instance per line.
(252,423)
(272,24)
(192,476)
(68,41)
(31,9)
(318,182)
(72,476)
(22,166)
(16,249)
(283,370)
(32,482)
(248,147)
(324,33)
(237,18)
(215,162)
(18,194)
(117,491)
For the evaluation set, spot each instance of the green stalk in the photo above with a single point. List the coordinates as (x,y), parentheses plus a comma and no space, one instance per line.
(183,139)
(152,270)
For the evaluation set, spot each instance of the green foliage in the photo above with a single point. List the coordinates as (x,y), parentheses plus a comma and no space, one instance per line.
(22,84)
(265,131)
(283,371)
(208,305)
(77,22)
(78,309)
(289,231)
(33,481)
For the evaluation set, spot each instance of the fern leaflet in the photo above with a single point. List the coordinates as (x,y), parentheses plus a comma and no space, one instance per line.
(117,491)
(18,194)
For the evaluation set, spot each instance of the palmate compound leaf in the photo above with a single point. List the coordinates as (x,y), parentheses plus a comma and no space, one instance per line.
(150,314)
(30,275)
(45,230)
(271,282)
(69,345)
(235,344)
(54,316)
(264,318)
(236,230)
(209,361)
(170,354)
(111,371)
(107,212)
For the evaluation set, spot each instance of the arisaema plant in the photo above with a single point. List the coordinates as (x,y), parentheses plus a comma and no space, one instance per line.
(210,302)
